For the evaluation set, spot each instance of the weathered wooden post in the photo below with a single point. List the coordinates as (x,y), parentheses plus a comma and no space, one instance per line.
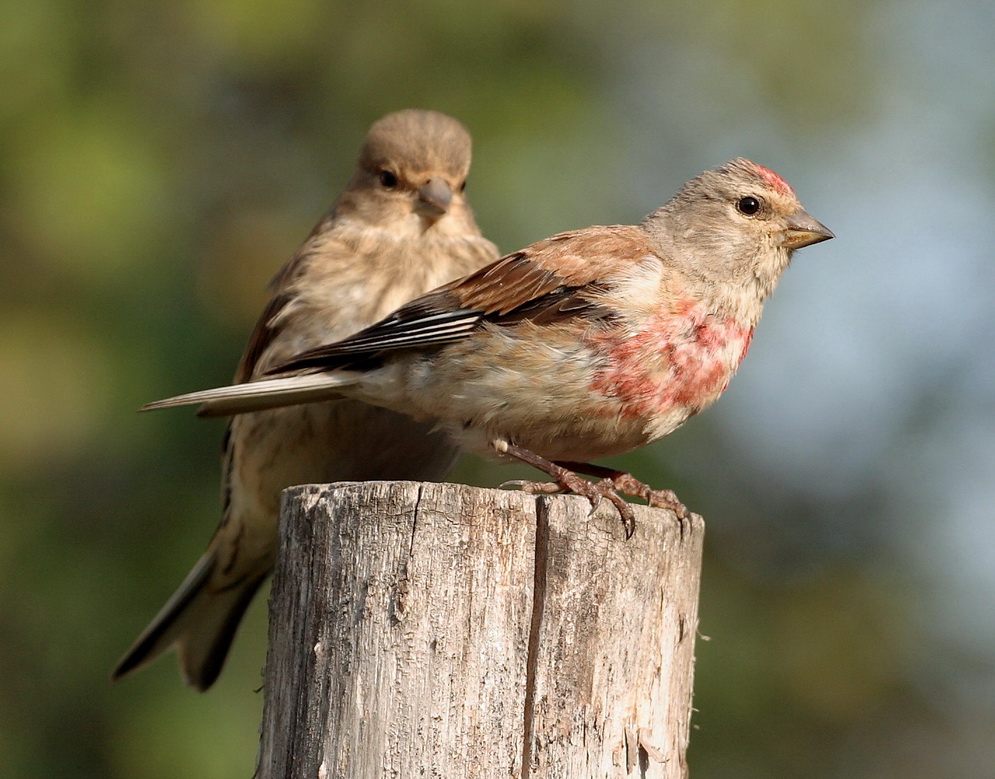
(438,630)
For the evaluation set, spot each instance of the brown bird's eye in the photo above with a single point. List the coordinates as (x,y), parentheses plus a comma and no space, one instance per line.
(462,187)
(388,179)
(748,206)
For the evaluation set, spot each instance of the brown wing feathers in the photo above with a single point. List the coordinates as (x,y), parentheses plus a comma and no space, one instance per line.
(516,287)
(447,314)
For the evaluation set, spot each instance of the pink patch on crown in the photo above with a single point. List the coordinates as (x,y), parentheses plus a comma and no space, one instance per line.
(775,181)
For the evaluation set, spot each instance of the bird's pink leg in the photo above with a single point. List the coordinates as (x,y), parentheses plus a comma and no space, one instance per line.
(566,479)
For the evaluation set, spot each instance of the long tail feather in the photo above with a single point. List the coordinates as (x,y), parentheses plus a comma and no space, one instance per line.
(259,395)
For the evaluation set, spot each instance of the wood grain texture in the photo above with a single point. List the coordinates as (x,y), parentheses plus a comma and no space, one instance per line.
(438,630)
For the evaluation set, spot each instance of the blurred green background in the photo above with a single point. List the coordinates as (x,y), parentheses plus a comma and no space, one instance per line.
(159,161)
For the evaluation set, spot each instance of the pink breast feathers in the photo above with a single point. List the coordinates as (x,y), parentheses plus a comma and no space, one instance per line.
(681,360)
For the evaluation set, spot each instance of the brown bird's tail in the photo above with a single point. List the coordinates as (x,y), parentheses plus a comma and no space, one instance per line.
(199,620)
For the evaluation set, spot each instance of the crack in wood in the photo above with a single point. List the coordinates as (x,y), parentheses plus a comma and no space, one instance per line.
(414,519)
(538,604)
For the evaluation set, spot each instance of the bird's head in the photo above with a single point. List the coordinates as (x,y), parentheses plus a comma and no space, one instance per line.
(412,169)
(735,225)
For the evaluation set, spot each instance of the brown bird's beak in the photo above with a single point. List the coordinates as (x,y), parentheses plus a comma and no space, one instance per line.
(802,230)
(434,198)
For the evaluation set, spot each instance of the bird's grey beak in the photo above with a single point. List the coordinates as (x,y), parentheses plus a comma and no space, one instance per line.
(434,198)
(802,230)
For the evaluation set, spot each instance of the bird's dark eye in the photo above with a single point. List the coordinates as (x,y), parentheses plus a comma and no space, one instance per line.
(388,179)
(462,187)
(748,205)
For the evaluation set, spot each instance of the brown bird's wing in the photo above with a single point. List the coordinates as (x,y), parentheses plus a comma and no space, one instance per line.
(262,336)
(548,281)
(267,329)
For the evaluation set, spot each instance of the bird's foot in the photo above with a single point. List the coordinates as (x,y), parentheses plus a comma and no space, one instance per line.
(661,499)
(566,480)
(628,484)
(594,491)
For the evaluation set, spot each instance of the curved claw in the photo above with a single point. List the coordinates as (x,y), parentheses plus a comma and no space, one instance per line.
(667,499)
(603,490)
(625,511)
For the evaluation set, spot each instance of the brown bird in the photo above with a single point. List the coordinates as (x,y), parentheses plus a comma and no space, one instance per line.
(401,227)
(587,344)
